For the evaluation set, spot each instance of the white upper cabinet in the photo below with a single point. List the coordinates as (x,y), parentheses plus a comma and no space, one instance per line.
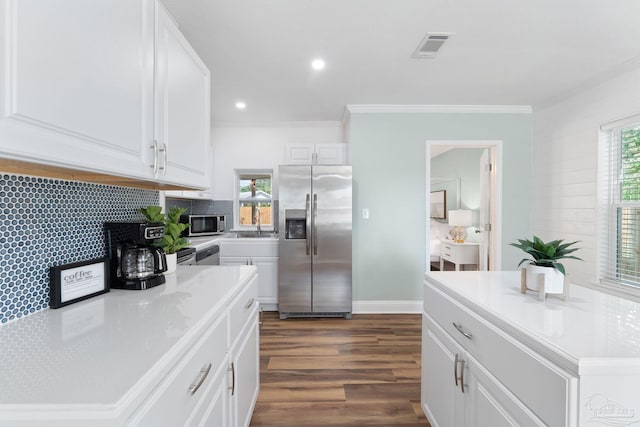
(78,90)
(316,154)
(182,107)
(77,84)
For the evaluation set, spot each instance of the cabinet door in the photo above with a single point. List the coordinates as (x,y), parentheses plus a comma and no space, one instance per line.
(489,403)
(77,90)
(213,410)
(330,154)
(182,107)
(246,369)
(267,281)
(316,154)
(300,154)
(442,398)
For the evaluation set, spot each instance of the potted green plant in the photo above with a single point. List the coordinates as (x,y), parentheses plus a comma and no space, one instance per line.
(172,241)
(544,259)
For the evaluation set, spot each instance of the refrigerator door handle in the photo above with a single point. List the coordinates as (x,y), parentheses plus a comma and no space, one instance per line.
(306,214)
(315,226)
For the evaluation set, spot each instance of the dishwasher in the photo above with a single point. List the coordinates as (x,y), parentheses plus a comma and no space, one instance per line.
(208,256)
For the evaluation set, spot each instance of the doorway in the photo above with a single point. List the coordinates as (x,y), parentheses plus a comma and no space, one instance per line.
(486,205)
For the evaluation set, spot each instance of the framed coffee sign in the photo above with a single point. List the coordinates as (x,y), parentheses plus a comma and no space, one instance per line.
(78,281)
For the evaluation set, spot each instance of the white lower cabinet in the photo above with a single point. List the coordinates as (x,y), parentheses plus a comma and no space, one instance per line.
(474,374)
(246,370)
(444,399)
(213,410)
(261,252)
(216,383)
(460,391)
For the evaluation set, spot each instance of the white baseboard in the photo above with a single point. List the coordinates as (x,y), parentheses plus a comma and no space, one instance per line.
(387,307)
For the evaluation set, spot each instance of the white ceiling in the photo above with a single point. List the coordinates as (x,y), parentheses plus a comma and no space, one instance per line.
(504,52)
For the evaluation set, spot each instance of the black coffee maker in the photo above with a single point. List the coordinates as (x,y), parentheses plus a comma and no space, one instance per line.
(135,262)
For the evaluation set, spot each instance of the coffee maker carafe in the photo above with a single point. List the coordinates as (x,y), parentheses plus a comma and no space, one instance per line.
(135,262)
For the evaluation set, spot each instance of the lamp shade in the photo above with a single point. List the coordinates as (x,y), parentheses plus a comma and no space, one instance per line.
(460,218)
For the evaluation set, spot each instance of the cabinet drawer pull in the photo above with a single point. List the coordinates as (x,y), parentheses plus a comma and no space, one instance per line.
(459,360)
(462,375)
(166,153)
(249,304)
(462,331)
(261,318)
(204,372)
(232,369)
(455,369)
(154,165)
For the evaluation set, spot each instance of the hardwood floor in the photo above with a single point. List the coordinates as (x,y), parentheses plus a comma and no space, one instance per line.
(336,372)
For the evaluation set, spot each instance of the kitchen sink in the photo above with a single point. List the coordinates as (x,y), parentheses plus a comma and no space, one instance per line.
(254,235)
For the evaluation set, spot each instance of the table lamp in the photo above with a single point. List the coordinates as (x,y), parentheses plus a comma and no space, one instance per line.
(460,218)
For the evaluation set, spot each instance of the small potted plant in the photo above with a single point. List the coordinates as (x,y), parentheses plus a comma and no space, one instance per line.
(172,241)
(544,259)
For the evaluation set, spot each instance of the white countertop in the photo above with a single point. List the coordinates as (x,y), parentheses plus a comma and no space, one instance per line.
(96,351)
(583,332)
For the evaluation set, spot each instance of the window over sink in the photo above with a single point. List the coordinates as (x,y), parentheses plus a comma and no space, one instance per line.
(253,205)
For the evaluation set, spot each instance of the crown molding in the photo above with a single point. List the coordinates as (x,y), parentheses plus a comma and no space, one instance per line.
(459,109)
(300,124)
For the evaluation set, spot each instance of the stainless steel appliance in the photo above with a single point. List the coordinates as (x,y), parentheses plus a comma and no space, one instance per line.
(135,262)
(209,255)
(186,256)
(315,241)
(204,225)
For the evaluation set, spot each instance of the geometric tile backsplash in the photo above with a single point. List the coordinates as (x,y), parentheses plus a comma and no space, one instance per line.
(46,222)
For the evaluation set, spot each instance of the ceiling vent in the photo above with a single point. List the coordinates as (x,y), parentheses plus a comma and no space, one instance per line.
(430,45)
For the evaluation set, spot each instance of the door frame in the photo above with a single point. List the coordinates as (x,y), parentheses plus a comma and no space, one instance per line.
(496,155)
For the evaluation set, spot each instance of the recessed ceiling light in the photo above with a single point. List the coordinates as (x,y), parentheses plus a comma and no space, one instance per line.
(318,64)
(241,105)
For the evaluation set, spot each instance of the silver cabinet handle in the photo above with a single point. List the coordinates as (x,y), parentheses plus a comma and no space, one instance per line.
(261,318)
(163,150)
(462,331)
(455,369)
(315,225)
(306,215)
(204,372)
(249,304)
(232,369)
(459,360)
(154,165)
(462,375)
(166,161)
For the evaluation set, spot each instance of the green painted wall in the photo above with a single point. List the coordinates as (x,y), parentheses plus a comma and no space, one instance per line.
(388,153)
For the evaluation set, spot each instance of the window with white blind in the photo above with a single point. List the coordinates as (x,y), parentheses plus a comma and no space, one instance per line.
(620,207)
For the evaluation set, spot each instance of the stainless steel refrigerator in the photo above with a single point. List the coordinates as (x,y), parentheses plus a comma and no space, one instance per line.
(315,241)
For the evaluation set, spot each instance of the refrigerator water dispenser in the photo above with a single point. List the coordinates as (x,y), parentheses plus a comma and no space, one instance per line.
(295,224)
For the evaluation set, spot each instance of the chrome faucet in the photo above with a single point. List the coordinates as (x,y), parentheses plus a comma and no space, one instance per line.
(257,219)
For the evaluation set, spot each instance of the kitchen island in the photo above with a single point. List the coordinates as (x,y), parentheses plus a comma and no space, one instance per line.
(494,356)
(163,356)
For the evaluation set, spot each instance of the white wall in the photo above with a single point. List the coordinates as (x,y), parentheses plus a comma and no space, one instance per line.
(565,148)
(261,148)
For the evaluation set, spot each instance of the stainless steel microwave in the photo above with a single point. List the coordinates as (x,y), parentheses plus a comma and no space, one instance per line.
(204,225)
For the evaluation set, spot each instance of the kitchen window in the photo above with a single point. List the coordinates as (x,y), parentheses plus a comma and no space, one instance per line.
(253,205)
(620,205)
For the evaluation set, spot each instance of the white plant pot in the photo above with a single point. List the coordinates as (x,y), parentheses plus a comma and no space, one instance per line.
(172,262)
(553,279)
